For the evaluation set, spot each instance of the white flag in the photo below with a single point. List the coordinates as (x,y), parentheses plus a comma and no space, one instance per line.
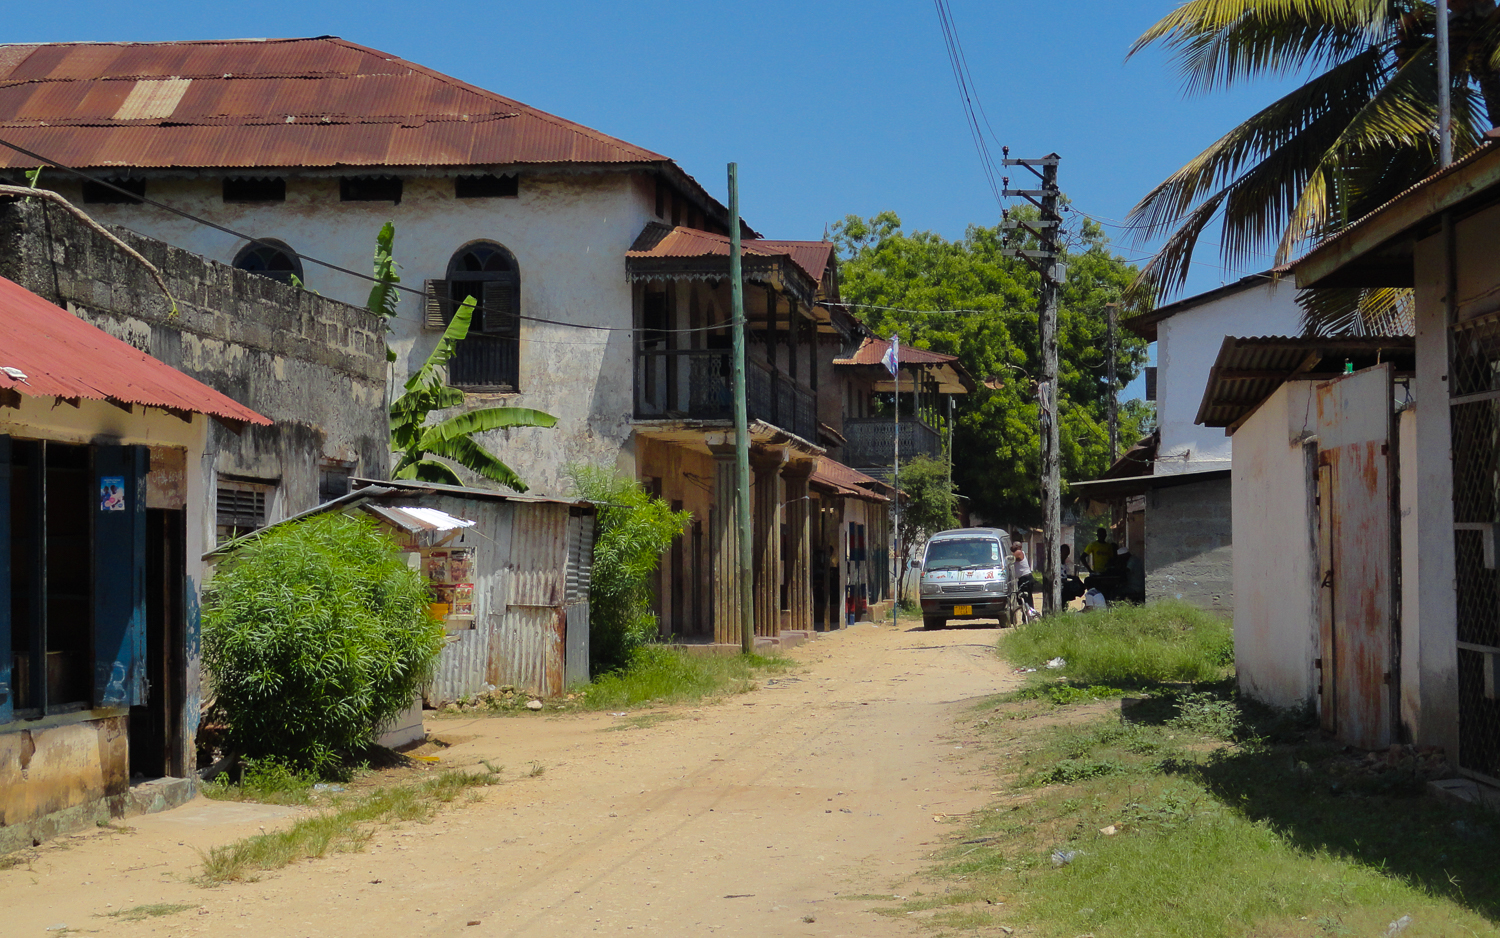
(892,357)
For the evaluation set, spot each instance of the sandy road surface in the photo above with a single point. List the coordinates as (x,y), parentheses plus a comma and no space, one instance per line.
(748,817)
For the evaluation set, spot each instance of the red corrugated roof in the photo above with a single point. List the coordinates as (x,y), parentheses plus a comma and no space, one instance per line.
(320,102)
(658,240)
(872,352)
(63,356)
(848,481)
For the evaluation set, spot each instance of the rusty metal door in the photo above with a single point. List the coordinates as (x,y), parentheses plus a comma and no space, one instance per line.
(1356,550)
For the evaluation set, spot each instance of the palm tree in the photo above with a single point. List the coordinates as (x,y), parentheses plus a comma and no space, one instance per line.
(1360,130)
(426,390)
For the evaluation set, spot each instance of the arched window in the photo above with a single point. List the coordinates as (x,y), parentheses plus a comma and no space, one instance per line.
(489,359)
(270,258)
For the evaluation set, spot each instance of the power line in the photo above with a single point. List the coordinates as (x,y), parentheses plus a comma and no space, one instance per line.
(968,96)
(134,197)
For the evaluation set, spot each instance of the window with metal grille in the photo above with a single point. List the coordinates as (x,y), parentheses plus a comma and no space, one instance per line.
(489,358)
(241,509)
(487,187)
(102,193)
(370,189)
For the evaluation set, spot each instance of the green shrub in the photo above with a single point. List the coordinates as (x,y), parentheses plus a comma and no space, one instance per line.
(1128,646)
(635,529)
(313,635)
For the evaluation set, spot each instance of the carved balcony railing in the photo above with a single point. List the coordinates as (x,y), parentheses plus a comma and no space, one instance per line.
(871,441)
(694,384)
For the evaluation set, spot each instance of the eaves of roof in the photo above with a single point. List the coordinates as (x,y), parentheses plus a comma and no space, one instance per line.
(1145,324)
(49,352)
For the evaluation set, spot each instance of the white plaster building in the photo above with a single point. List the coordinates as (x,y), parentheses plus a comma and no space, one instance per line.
(1184,482)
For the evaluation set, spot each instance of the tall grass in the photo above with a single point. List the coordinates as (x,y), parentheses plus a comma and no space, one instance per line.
(1129,646)
(657,673)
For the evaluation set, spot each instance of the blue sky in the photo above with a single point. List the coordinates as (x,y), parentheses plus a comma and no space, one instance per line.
(829,107)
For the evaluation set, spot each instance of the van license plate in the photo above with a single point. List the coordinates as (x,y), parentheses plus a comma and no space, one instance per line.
(963,610)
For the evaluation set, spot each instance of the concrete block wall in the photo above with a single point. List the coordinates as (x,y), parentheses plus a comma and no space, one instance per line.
(1189,553)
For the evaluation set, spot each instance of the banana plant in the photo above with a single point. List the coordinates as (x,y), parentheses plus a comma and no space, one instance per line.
(420,446)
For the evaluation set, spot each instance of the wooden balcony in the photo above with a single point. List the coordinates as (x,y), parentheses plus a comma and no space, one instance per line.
(872,439)
(694,384)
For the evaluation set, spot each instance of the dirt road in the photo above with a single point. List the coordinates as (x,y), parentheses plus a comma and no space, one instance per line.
(763,815)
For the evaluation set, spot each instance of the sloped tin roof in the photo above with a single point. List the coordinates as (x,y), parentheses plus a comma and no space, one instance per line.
(63,356)
(318,102)
(872,352)
(661,241)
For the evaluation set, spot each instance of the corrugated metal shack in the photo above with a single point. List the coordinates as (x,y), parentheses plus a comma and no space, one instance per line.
(518,610)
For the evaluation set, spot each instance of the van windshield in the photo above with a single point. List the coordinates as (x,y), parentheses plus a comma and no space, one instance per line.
(963,553)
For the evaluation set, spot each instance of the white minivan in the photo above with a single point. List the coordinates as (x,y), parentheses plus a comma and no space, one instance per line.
(964,576)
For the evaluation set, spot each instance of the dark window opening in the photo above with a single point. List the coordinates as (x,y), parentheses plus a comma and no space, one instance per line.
(676,210)
(255,189)
(661,197)
(270,259)
(241,509)
(52,596)
(370,189)
(487,187)
(489,358)
(98,193)
(334,479)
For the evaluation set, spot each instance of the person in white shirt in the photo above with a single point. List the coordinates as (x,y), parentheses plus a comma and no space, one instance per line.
(1022,571)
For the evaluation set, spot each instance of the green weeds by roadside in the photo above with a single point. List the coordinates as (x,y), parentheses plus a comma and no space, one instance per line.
(346,826)
(1127,646)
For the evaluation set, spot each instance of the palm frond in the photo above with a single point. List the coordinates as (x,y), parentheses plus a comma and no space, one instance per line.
(383,295)
(428,470)
(1355,311)
(457,331)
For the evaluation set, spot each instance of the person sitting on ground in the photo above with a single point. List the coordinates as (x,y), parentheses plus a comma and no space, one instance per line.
(1096,556)
(1072,586)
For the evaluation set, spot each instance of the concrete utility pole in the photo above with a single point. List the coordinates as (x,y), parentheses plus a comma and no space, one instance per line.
(741,421)
(1114,398)
(1045,262)
(895,368)
(1444,89)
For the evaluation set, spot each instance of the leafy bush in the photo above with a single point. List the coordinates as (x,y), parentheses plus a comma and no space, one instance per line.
(635,529)
(1128,646)
(315,634)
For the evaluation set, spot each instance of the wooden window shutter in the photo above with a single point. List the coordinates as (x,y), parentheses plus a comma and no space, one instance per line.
(120,575)
(436,311)
(501,306)
(7,659)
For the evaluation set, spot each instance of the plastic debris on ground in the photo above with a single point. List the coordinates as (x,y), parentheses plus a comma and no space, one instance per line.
(1398,926)
(1064,857)
(1056,663)
(326,786)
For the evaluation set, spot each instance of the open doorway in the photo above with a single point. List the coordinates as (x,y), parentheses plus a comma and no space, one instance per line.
(156,746)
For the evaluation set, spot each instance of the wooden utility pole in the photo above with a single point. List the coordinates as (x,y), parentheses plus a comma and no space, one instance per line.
(1114,399)
(741,421)
(895,368)
(1045,261)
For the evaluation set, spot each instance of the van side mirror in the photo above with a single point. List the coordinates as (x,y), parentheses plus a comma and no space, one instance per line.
(915,564)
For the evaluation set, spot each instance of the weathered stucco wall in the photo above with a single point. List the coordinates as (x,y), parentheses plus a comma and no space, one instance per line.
(313,365)
(1186,346)
(1275,557)
(1189,533)
(569,234)
(56,778)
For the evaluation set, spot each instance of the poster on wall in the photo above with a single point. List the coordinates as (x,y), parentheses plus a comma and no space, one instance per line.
(460,566)
(463,600)
(112,493)
(437,567)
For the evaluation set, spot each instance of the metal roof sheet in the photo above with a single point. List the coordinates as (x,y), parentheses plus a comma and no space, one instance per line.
(1249,370)
(63,356)
(846,480)
(872,352)
(98,104)
(659,240)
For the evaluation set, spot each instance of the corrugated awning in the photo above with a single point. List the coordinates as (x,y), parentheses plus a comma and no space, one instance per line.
(1249,370)
(46,351)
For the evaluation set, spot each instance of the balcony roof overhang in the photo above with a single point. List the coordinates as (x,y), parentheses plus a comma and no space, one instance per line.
(699,435)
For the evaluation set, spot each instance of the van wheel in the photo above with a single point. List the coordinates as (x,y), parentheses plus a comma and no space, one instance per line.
(928,622)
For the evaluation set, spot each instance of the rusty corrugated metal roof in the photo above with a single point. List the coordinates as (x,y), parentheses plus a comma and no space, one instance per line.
(1249,370)
(872,352)
(320,102)
(847,481)
(659,240)
(63,356)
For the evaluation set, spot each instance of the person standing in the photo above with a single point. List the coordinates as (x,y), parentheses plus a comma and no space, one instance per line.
(1097,556)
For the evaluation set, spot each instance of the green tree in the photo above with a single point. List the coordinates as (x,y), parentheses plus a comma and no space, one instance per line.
(314,634)
(1359,130)
(997,443)
(635,529)
(416,442)
(928,508)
